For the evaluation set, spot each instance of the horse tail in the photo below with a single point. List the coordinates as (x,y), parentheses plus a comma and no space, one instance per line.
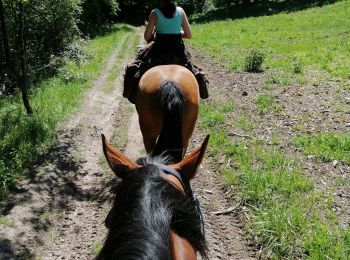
(169,142)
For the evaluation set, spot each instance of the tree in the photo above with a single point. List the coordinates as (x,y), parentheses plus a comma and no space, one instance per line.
(24,84)
(97,15)
(5,42)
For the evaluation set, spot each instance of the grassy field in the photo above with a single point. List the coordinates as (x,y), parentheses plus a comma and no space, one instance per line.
(288,216)
(304,42)
(23,138)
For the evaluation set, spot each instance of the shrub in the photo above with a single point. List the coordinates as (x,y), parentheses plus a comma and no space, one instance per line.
(254,61)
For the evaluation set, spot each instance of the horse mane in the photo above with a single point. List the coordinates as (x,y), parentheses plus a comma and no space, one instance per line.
(145,208)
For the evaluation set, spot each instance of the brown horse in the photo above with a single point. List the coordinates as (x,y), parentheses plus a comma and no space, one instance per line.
(167,102)
(155,214)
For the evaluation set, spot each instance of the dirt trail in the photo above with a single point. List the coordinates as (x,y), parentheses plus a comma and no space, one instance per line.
(59,213)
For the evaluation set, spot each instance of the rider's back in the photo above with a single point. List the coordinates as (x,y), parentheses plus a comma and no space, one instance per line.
(171,25)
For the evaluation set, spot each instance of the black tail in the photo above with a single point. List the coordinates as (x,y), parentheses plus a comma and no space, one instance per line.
(169,142)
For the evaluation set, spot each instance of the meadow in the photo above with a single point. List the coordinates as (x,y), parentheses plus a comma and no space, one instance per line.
(284,210)
(315,40)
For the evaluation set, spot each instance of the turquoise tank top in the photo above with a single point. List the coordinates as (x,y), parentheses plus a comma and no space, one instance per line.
(169,25)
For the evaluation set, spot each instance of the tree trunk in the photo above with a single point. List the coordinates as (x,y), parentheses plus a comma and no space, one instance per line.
(22,55)
(5,38)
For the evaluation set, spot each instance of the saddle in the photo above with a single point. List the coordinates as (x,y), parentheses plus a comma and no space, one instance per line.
(146,59)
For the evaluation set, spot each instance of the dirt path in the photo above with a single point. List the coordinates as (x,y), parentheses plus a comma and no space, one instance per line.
(59,213)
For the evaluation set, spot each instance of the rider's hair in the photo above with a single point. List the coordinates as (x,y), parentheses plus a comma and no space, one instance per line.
(168,8)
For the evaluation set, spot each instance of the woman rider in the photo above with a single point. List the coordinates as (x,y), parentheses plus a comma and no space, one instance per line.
(165,29)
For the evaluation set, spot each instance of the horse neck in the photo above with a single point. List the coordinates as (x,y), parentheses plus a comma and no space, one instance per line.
(181,248)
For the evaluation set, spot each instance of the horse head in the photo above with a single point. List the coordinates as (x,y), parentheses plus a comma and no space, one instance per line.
(155,214)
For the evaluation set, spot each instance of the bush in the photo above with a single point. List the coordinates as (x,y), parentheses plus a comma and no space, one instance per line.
(254,60)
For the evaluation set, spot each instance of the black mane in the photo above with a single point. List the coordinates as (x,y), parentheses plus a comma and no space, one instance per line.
(145,208)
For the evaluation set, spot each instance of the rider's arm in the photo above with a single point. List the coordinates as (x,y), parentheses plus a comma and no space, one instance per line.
(186,33)
(149,32)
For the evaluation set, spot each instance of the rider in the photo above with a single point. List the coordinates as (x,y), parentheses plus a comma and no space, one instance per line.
(165,29)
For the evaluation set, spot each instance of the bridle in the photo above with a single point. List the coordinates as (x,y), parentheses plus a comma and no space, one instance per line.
(186,186)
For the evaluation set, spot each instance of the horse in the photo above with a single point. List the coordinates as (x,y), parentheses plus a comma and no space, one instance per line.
(155,214)
(167,101)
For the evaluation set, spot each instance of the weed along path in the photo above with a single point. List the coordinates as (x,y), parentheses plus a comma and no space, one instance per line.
(60,212)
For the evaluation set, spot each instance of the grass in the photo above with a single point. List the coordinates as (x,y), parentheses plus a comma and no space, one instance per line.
(96,248)
(55,235)
(326,146)
(286,214)
(212,117)
(117,68)
(316,39)
(4,221)
(266,103)
(244,124)
(45,216)
(23,138)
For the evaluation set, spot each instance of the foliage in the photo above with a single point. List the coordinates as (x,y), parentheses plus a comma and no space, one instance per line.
(254,60)
(23,138)
(224,9)
(135,11)
(188,5)
(97,15)
(50,28)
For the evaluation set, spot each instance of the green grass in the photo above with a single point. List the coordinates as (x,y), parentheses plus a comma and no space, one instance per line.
(211,117)
(326,146)
(265,103)
(244,123)
(96,248)
(23,138)
(286,214)
(299,42)
(45,216)
(4,221)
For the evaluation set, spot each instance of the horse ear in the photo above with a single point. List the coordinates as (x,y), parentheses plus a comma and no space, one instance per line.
(119,163)
(189,165)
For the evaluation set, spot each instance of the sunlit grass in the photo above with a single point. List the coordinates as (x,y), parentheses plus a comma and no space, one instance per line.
(299,42)
(287,215)
(326,146)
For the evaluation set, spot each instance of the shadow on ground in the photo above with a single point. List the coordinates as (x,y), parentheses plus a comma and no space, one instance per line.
(50,188)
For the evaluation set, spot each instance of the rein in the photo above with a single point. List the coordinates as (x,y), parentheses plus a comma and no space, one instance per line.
(187,187)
